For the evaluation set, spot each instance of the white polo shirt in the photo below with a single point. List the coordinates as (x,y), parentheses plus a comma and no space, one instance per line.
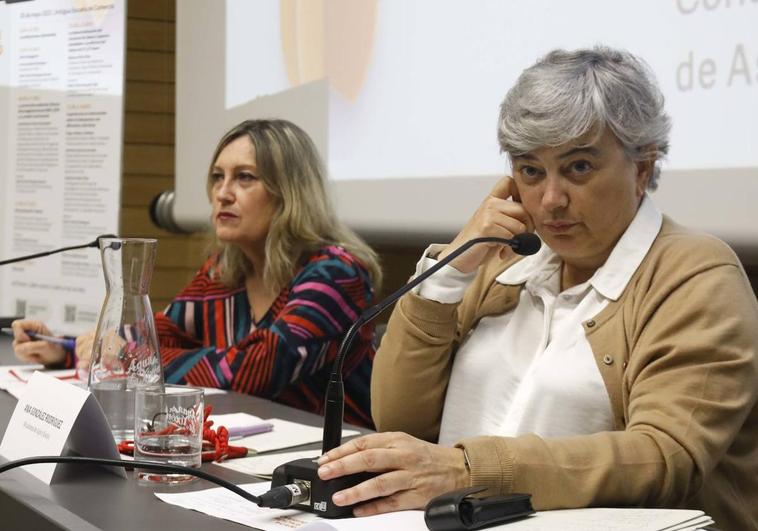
(531,370)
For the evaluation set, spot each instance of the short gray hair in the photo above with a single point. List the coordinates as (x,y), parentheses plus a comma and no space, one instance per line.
(567,94)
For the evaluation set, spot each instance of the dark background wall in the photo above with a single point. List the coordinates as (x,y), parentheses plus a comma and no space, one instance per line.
(148,164)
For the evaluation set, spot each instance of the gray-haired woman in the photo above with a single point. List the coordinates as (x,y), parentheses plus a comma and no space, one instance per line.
(616,367)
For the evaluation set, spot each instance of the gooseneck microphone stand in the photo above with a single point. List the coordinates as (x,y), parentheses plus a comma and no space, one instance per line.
(5,322)
(305,470)
(94,243)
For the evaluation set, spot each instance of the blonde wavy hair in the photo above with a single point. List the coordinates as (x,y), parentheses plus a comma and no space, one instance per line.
(290,168)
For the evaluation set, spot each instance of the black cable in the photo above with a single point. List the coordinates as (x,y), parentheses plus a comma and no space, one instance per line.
(133,464)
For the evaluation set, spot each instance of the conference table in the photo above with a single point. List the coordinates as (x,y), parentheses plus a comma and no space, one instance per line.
(92,498)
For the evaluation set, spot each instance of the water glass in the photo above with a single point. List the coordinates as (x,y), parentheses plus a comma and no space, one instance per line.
(168,428)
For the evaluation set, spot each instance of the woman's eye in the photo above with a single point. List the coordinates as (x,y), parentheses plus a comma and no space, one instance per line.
(529,172)
(581,167)
(246,176)
(216,177)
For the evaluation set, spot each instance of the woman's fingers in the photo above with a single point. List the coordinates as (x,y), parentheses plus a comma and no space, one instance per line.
(373,460)
(25,351)
(35,351)
(400,501)
(38,352)
(373,440)
(20,328)
(84,344)
(511,209)
(409,471)
(348,458)
(503,214)
(504,188)
(381,486)
(498,216)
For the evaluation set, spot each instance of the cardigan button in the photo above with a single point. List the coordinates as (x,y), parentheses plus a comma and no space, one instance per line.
(607,359)
(590,323)
(623,365)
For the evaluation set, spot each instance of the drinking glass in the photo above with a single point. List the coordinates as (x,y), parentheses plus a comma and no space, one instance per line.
(168,428)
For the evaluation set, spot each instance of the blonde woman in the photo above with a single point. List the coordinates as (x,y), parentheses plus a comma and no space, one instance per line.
(265,313)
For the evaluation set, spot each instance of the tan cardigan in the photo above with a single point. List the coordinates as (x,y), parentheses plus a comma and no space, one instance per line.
(679,356)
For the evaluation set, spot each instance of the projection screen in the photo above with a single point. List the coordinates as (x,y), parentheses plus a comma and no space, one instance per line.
(401,97)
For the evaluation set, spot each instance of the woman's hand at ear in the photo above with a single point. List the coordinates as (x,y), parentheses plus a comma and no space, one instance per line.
(500,215)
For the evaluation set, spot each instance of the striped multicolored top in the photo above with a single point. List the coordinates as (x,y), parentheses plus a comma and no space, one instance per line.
(208,338)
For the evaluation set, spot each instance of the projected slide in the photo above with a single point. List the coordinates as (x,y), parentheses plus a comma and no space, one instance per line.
(414,87)
(401,97)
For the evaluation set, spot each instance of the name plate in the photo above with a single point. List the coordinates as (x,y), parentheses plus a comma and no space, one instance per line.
(56,418)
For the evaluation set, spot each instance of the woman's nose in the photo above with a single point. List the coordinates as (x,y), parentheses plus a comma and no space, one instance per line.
(223,191)
(555,196)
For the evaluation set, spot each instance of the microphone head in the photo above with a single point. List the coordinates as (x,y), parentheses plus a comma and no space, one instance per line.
(526,243)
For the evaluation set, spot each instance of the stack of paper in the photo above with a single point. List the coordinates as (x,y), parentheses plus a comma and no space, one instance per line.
(284,434)
(240,422)
(603,519)
(222,503)
(13,378)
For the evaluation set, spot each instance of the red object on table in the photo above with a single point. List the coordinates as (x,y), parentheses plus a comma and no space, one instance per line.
(215,441)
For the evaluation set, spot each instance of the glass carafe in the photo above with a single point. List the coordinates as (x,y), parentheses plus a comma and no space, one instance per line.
(125,354)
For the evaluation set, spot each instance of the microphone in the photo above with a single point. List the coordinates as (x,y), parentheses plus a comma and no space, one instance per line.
(6,321)
(304,471)
(94,243)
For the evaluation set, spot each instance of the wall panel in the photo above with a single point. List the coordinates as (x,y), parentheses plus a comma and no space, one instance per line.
(148,165)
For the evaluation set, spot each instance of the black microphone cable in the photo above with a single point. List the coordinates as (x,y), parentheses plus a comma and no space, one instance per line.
(282,497)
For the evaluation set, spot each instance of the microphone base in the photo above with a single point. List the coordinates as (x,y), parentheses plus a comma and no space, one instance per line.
(320,501)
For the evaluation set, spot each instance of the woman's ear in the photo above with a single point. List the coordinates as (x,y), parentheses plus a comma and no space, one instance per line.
(646,167)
